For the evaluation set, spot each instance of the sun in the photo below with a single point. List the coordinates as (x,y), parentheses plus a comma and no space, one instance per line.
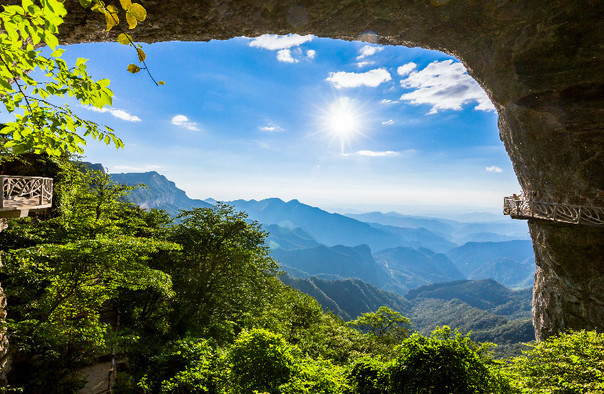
(343,120)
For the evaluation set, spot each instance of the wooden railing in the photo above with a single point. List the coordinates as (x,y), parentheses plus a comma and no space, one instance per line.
(25,192)
(519,208)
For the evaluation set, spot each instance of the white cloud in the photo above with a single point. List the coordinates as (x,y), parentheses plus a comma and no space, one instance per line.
(271,128)
(285,56)
(371,153)
(311,54)
(405,69)
(444,85)
(183,121)
(388,122)
(275,42)
(387,101)
(494,169)
(117,113)
(372,78)
(365,63)
(368,50)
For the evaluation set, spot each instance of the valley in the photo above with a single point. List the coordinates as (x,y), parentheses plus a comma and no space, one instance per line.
(474,276)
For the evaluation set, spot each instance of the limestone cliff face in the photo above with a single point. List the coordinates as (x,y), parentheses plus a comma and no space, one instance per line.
(541,62)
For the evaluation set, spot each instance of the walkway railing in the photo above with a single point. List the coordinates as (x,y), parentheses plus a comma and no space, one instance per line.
(520,208)
(25,192)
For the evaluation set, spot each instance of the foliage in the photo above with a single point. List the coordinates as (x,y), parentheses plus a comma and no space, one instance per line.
(301,321)
(385,326)
(572,362)
(222,271)
(316,376)
(39,125)
(62,273)
(260,360)
(445,362)
(189,365)
(369,376)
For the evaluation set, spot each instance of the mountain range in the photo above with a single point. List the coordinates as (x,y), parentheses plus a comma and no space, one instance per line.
(435,271)
(309,241)
(488,309)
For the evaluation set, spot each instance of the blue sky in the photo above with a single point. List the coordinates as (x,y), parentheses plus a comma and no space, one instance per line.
(335,124)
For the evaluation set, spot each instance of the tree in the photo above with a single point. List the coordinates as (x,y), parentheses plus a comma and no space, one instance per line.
(60,274)
(31,83)
(57,294)
(222,271)
(40,126)
(188,365)
(389,326)
(260,360)
(444,363)
(571,362)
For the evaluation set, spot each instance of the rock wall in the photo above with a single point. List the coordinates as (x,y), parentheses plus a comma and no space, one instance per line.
(4,366)
(541,62)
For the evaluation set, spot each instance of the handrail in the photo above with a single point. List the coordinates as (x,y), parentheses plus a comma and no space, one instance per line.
(518,207)
(32,192)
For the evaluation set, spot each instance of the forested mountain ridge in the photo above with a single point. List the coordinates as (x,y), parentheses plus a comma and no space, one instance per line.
(201,309)
(297,232)
(326,228)
(159,192)
(491,311)
(511,263)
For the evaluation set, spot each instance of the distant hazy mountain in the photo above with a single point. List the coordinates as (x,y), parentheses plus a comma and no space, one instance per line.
(411,268)
(503,229)
(417,237)
(511,263)
(486,294)
(297,226)
(288,239)
(327,228)
(160,192)
(348,298)
(337,261)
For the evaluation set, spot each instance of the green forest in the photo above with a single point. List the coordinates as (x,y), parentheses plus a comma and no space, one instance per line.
(196,306)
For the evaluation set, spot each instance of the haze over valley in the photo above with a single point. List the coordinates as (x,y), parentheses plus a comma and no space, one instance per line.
(475,276)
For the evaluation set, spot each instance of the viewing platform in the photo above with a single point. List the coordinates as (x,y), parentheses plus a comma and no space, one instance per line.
(518,207)
(21,194)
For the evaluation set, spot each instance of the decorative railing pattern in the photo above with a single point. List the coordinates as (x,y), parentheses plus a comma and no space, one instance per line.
(25,192)
(520,208)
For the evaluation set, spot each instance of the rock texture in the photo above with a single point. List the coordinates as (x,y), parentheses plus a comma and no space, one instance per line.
(541,62)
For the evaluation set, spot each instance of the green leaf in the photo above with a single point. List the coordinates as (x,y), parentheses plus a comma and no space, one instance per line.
(4,83)
(51,40)
(85,3)
(133,68)
(161,83)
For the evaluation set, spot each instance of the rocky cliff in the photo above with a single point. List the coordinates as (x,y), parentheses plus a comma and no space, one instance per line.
(540,63)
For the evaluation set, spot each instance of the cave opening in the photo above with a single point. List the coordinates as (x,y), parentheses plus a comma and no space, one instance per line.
(527,57)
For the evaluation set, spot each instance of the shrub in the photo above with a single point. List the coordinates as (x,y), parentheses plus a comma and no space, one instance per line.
(444,363)
(260,360)
(186,366)
(369,376)
(317,376)
(567,363)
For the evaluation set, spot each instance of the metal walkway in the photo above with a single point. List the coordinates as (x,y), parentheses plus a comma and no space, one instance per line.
(518,207)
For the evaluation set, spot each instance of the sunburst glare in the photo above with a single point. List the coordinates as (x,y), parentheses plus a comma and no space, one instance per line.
(343,120)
